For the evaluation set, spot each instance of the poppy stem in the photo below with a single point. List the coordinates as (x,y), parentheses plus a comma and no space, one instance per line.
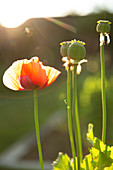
(37,128)
(103,92)
(76,116)
(70,116)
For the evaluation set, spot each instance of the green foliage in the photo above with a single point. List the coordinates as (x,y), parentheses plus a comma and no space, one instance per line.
(63,162)
(101,155)
(90,135)
(87,163)
(99,158)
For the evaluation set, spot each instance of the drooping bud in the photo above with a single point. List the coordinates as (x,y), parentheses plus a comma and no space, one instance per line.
(103,26)
(76,50)
(64,48)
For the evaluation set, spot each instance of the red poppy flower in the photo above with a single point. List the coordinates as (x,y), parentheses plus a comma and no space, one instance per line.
(29,75)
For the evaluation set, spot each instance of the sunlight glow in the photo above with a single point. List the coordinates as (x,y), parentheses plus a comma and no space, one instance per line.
(14,12)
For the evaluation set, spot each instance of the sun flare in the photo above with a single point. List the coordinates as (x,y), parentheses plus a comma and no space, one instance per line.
(14,12)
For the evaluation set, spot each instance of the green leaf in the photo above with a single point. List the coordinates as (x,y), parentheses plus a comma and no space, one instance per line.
(98,144)
(100,159)
(90,135)
(104,161)
(63,162)
(101,154)
(87,163)
(109,168)
(111,148)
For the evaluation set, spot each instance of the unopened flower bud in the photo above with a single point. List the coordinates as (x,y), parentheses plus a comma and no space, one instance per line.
(103,26)
(77,51)
(64,48)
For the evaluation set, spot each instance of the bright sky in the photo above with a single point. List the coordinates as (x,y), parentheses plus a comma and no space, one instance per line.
(15,12)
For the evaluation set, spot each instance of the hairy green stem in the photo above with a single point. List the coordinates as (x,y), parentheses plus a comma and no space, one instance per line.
(103,93)
(37,128)
(76,117)
(70,116)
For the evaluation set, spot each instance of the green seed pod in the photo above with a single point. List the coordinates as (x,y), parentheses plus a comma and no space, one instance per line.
(64,48)
(77,51)
(103,26)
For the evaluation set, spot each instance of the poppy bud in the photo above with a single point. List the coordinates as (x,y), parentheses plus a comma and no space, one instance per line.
(64,48)
(77,51)
(103,26)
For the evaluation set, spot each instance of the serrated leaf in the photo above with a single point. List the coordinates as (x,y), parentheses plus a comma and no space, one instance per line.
(98,144)
(101,154)
(87,163)
(94,152)
(111,148)
(109,168)
(63,162)
(104,161)
(90,135)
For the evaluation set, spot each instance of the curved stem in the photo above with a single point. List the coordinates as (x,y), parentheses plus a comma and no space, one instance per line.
(76,117)
(103,92)
(70,116)
(37,128)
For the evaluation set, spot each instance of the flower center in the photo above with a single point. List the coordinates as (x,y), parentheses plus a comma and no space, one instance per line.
(27,83)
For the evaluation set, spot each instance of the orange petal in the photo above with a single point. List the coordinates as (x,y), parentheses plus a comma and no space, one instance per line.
(33,75)
(29,74)
(52,74)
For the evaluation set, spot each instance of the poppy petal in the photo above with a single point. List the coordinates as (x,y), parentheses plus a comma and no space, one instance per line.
(27,83)
(52,74)
(29,75)
(33,75)
(12,74)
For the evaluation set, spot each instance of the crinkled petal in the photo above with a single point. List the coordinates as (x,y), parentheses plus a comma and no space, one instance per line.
(33,76)
(29,75)
(52,74)
(12,74)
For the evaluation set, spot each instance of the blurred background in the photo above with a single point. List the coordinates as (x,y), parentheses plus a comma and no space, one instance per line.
(36,28)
